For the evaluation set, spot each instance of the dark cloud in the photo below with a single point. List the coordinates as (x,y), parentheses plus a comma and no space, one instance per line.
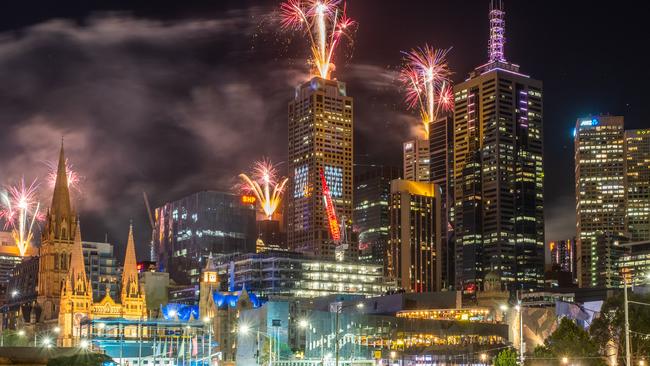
(163,107)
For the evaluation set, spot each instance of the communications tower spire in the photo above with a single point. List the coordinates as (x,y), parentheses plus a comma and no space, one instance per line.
(497,31)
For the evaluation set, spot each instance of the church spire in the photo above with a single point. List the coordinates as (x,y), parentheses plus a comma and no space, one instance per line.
(61,198)
(130,271)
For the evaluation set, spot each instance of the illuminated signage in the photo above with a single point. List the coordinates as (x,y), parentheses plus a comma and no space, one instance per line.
(589,122)
(248,199)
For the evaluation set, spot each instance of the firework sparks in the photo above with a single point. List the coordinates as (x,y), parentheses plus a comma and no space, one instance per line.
(325,23)
(265,185)
(74,179)
(425,77)
(20,211)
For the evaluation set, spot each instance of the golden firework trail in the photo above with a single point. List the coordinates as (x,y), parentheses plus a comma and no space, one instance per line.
(425,77)
(20,211)
(265,186)
(324,22)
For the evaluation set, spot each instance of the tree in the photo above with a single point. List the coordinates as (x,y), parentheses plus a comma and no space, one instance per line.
(570,341)
(507,357)
(608,329)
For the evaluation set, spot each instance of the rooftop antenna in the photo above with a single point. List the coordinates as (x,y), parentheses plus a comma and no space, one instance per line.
(497,31)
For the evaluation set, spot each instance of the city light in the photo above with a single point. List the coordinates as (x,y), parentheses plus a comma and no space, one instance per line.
(324,22)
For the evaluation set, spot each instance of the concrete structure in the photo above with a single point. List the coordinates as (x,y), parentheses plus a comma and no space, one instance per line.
(416,160)
(371,213)
(498,211)
(416,221)
(188,230)
(320,136)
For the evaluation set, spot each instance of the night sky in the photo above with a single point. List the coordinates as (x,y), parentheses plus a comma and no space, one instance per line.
(174,97)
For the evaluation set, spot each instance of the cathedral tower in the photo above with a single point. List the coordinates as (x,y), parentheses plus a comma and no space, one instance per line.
(56,247)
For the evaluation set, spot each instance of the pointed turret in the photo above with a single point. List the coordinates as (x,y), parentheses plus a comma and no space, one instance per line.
(77,267)
(130,284)
(61,198)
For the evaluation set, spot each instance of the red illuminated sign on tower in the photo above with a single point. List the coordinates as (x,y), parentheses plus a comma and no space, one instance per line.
(335,230)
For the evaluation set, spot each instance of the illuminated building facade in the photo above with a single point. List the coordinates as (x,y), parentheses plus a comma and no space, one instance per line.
(637,184)
(101,268)
(416,160)
(188,230)
(563,255)
(371,213)
(415,236)
(600,198)
(498,211)
(441,138)
(320,137)
(294,275)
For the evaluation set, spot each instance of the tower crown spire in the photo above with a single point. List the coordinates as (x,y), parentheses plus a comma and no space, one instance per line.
(497,32)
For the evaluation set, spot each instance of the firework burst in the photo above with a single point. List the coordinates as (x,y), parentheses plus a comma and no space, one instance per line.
(324,22)
(265,185)
(74,179)
(20,211)
(425,77)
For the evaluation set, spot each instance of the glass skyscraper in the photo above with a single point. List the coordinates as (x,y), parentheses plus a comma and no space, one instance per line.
(189,229)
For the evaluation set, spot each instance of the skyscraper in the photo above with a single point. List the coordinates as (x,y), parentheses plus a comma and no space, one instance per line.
(600,198)
(498,170)
(637,184)
(441,137)
(371,211)
(416,160)
(415,236)
(320,137)
(188,230)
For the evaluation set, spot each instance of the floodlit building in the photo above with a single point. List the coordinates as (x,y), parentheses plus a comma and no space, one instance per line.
(415,235)
(295,275)
(416,160)
(188,230)
(600,198)
(320,138)
(498,211)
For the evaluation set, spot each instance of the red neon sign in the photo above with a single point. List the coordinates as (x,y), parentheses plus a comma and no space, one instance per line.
(335,230)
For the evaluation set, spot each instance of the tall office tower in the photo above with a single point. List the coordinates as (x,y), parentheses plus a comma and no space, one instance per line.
(415,236)
(320,137)
(188,230)
(416,160)
(371,214)
(637,184)
(498,171)
(600,198)
(441,137)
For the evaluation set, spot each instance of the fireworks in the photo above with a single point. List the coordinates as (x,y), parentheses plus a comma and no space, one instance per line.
(265,186)
(425,77)
(73,177)
(325,23)
(20,210)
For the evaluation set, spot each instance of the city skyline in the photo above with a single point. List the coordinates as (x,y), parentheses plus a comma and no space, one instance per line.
(83,100)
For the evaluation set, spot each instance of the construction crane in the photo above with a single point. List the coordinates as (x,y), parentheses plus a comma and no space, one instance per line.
(337,228)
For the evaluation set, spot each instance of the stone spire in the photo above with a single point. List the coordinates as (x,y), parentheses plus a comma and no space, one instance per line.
(130,286)
(77,267)
(61,198)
